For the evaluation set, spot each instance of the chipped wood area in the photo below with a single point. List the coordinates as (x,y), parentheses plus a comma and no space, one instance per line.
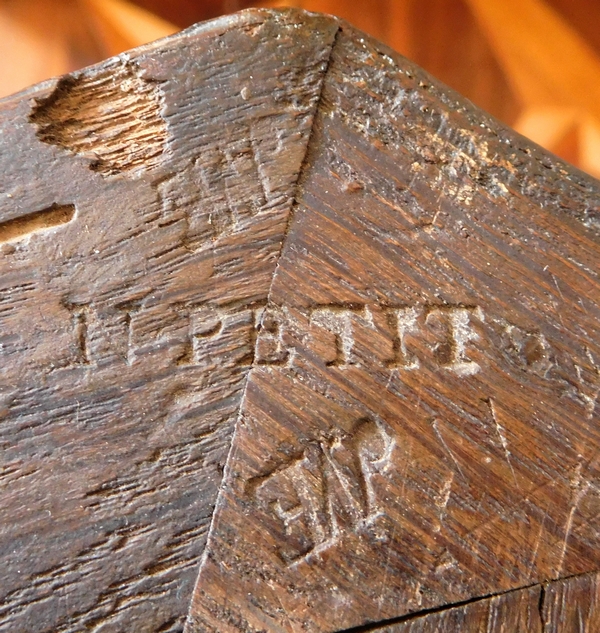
(22,227)
(113,117)
(127,332)
(273,224)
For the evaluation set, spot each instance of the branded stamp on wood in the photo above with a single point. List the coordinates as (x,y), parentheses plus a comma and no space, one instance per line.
(292,338)
(327,489)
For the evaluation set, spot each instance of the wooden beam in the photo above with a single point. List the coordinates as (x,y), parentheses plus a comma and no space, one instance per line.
(269,259)
(143,206)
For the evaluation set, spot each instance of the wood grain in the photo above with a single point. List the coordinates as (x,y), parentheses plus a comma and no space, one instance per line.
(516,611)
(126,323)
(429,435)
(572,605)
(563,606)
(274,225)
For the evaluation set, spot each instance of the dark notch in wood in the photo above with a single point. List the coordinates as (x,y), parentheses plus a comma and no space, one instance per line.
(80,322)
(112,117)
(53,216)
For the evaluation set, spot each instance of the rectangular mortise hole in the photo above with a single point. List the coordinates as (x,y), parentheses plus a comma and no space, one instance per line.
(54,215)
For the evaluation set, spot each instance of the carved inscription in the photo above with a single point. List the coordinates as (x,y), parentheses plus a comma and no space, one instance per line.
(447,338)
(331,486)
(453,323)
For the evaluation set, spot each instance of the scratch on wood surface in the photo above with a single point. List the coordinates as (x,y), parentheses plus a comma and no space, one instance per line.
(538,540)
(590,399)
(442,501)
(579,489)
(381,600)
(450,453)
(503,441)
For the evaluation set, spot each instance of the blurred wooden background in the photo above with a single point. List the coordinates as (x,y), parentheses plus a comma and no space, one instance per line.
(535,64)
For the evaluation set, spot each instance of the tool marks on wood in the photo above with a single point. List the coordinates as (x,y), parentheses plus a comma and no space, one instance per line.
(225,188)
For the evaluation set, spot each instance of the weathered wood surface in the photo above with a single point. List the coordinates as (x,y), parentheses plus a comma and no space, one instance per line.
(563,606)
(572,605)
(516,611)
(274,220)
(143,206)
(429,434)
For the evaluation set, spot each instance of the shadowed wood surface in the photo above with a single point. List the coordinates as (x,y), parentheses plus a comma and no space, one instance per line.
(274,223)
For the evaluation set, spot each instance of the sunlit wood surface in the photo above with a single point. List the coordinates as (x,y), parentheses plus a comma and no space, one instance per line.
(535,64)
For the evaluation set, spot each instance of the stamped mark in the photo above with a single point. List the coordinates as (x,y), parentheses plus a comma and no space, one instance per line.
(403,321)
(453,323)
(426,337)
(49,218)
(328,488)
(256,333)
(341,321)
(218,192)
(527,349)
(448,331)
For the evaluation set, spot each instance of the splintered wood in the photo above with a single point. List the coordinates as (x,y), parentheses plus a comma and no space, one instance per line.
(275,225)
